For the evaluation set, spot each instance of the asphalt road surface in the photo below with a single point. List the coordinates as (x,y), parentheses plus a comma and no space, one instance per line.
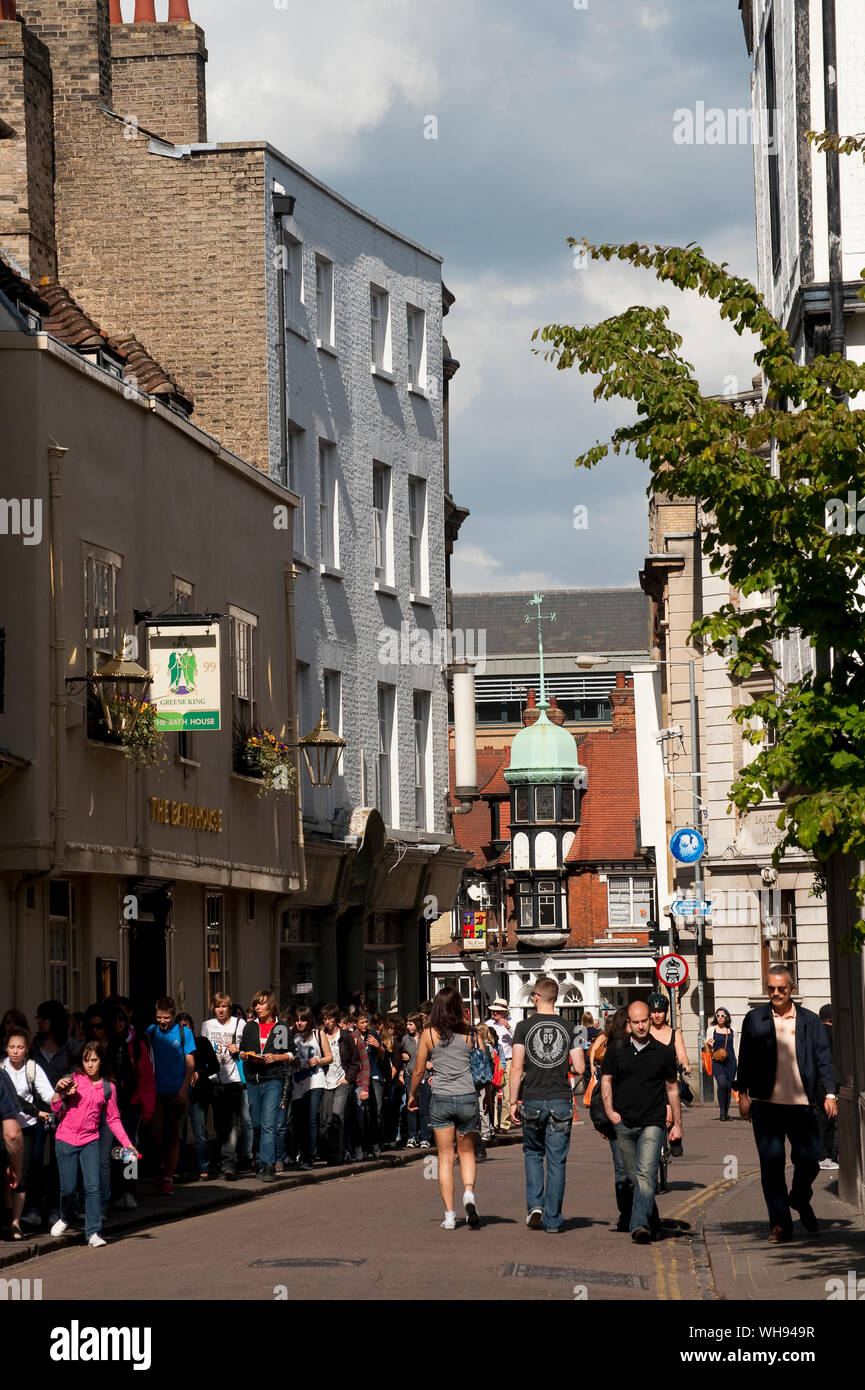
(377,1235)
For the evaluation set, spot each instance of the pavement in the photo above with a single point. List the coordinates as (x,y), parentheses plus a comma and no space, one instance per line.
(375,1226)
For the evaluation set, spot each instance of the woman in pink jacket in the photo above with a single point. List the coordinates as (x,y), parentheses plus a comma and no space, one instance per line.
(83,1098)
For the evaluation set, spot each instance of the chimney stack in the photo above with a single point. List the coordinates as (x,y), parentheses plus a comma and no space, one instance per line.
(158,73)
(78,38)
(27,228)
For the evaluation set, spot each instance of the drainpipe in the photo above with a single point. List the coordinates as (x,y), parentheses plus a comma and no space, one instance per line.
(56,454)
(837,341)
(288,577)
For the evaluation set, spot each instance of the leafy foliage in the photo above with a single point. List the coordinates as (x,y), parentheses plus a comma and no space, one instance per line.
(764,483)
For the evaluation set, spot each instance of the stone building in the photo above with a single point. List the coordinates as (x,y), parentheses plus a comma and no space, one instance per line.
(558,882)
(758,914)
(810,217)
(118,876)
(310,337)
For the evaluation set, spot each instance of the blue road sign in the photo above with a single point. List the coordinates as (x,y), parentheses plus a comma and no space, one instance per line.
(687,846)
(691,907)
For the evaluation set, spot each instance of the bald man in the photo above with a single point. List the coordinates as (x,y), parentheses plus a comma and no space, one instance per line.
(638,1082)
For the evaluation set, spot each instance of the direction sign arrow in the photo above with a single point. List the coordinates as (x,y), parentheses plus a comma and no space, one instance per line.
(691,907)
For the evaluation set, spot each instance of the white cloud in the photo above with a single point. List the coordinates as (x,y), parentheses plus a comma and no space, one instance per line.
(474,570)
(653,19)
(330,73)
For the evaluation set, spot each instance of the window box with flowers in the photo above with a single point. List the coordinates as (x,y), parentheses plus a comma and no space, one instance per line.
(260,754)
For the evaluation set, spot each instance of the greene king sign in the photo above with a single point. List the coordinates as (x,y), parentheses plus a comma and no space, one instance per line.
(185,666)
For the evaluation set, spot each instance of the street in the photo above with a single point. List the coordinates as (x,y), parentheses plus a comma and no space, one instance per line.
(377,1235)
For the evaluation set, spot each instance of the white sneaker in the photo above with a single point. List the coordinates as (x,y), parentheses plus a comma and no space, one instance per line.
(535,1219)
(471,1207)
(96,1241)
(450,1221)
(827,1165)
(59,1228)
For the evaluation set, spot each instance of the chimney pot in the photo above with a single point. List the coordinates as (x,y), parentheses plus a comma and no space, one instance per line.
(116,13)
(178,10)
(145,12)
(620,680)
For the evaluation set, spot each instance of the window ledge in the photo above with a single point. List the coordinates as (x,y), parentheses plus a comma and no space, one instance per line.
(331,572)
(382,588)
(242,777)
(296,329)
(382,373)
(418,391)
(326,347)
(187,762)
(420,600)
(303,560)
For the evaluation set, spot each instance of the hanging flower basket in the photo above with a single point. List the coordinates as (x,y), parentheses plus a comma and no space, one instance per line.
(140,738)
(272,758)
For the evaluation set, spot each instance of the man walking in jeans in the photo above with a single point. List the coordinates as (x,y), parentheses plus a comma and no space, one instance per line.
(542,1047)
(638,1082)
(173,1064)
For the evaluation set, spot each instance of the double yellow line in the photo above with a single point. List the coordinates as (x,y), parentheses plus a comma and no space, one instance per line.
(667,1272)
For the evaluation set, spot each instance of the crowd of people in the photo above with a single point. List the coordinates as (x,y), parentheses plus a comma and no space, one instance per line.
(266,1090)
(92,1105)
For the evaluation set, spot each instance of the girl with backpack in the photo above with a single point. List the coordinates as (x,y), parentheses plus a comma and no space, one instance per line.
(34,1094)
(313,1055)
(82,1099)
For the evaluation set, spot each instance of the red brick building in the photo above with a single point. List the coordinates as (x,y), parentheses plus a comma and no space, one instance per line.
(601,897)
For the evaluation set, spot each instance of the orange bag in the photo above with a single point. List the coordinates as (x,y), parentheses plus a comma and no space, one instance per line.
(587,1096)
(707,1061)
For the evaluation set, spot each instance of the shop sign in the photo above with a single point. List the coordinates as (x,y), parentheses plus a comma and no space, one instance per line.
(474,931)
(184,813)
(185,666)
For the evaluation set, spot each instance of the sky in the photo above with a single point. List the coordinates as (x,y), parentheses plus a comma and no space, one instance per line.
(553,118)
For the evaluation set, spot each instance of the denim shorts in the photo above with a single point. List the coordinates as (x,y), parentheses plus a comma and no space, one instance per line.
(461,1111)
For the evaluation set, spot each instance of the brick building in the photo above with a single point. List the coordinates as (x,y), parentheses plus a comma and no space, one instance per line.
(309,336)
(560,888)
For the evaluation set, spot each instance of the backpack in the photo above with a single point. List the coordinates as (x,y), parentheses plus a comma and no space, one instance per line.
(480,1063)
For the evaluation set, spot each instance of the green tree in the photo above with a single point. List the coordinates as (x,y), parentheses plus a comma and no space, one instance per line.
(771,527)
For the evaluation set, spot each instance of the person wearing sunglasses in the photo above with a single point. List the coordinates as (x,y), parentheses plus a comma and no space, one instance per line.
(785,1066)
(719,1041)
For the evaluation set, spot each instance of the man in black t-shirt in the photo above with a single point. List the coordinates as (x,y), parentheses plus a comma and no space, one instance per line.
(543,1046)
(638,1081)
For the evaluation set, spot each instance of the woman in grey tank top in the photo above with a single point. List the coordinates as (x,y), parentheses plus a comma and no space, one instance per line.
(454,1109)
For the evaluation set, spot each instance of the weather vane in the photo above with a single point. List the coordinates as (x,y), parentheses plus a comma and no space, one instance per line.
(541,618)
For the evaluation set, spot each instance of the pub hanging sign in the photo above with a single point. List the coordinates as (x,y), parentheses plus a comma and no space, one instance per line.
(184,659)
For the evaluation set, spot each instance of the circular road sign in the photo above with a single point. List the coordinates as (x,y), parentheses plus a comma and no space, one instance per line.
(672,971)
(687,846)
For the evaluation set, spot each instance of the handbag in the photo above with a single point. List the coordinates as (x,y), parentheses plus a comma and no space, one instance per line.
(707,1059)
(479,1061)
(589,1091)
(720,1054)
